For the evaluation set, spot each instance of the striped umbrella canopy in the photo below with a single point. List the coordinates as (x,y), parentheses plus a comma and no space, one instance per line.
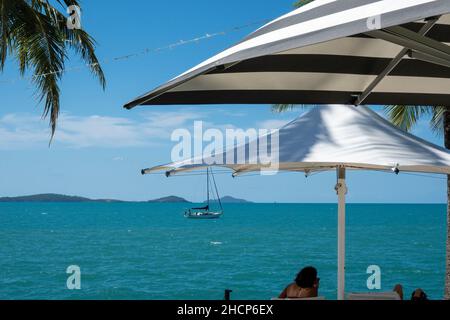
(341,51)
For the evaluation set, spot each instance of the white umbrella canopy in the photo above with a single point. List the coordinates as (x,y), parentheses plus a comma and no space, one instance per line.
(329,51)
(332,138)
(328,137)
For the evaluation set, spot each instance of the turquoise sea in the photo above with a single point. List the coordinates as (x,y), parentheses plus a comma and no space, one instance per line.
(149,251)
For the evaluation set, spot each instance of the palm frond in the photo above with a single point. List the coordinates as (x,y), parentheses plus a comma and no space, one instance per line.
(6,8)
(84,45)
(437,120)
(300,3)
(79,41)
(405,117)
(280,108)
(45,53)
(36,34)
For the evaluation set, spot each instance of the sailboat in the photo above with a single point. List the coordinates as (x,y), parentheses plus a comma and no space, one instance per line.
(206,212)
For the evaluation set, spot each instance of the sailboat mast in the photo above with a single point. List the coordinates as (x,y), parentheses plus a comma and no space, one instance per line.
(217,190)
(207,184)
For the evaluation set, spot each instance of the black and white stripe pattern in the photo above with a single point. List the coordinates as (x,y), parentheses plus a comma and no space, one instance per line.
(321,53)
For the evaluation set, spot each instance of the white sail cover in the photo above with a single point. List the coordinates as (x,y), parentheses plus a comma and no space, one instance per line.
(327,52)
(334,136)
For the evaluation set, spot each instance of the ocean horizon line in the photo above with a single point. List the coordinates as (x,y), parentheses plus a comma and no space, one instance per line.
(63,198)
(234,203)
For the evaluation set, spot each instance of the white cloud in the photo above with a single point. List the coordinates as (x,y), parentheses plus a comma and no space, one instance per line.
(25,131)
(21,131)
(17,131)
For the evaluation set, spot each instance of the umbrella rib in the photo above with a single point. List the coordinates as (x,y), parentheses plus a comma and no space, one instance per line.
(428,58)
(420,42)
(413,41)
(394,63)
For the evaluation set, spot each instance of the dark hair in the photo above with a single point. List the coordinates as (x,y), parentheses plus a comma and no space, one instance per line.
(306,277)
(422,296)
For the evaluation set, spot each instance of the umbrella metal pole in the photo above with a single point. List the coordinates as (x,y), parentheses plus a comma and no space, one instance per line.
(341,189)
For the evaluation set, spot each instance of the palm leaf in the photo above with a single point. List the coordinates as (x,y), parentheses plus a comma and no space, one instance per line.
(283,107)
(280,108)
(300,3)
(437,120)
(36,34)
(406,117)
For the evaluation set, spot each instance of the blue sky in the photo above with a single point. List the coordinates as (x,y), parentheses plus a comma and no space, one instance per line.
(99,147)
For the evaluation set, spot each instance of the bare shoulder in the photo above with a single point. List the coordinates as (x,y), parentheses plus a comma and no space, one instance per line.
(291,286)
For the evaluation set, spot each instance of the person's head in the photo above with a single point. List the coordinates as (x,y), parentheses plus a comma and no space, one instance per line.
(307,278)
(419,295)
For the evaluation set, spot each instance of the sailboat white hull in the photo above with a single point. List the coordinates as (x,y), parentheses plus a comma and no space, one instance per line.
(203,215)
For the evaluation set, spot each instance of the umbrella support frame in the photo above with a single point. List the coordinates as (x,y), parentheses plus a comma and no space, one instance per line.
(341,189)
(394,63)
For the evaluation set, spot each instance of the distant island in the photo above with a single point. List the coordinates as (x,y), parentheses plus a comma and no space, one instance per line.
(229,199)
(52,197)
(171,199)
